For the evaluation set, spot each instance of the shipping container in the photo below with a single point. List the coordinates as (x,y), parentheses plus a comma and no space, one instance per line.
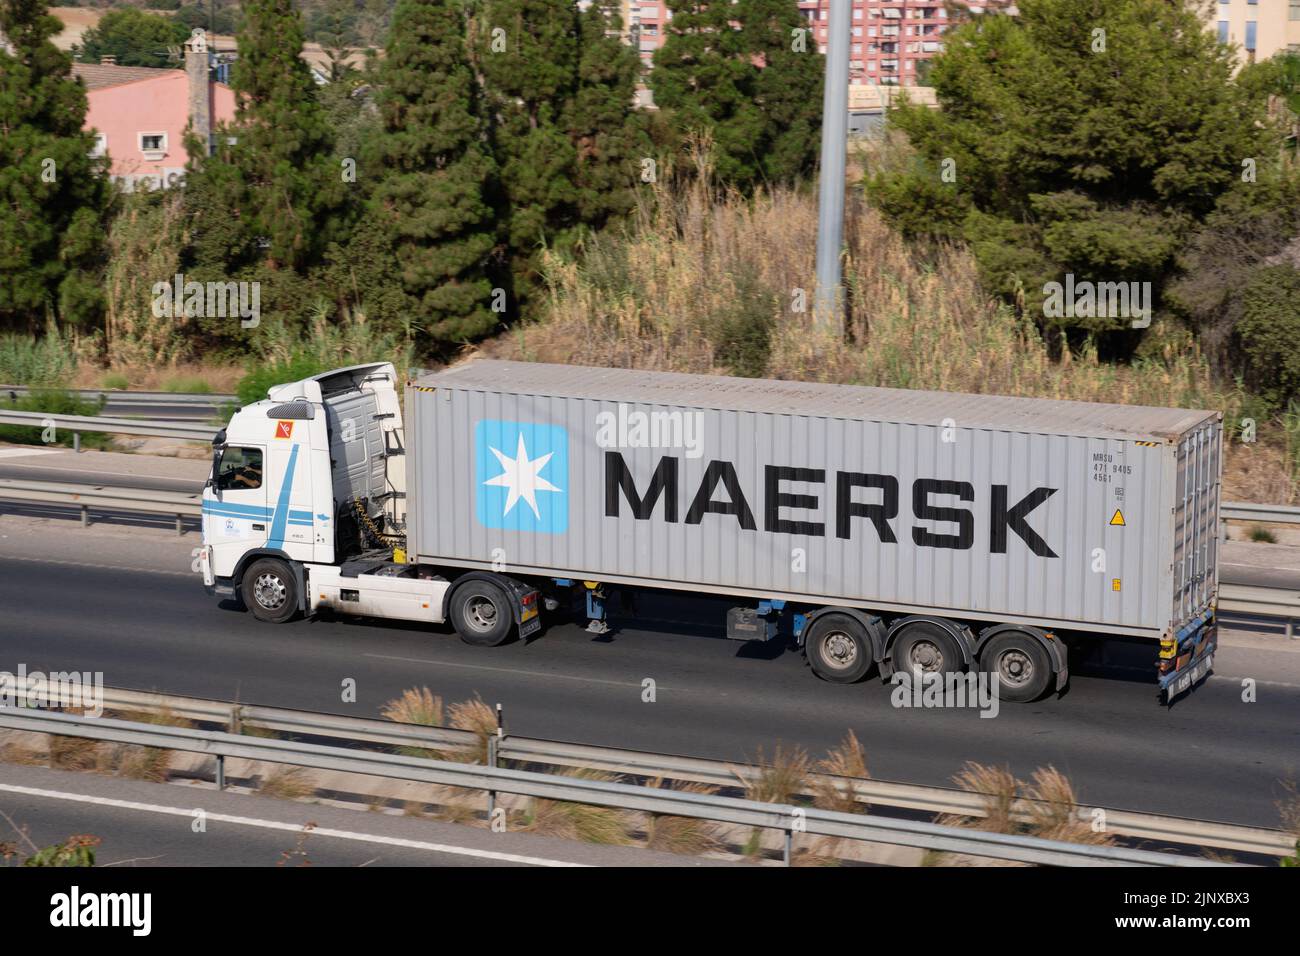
(1096,517)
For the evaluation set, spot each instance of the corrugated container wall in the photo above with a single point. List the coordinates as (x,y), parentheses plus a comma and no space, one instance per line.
(1067,514)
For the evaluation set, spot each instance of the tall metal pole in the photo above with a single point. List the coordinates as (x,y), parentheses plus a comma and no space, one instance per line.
(828,312)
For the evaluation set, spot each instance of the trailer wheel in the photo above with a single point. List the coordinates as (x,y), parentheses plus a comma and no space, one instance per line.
(270,590)
(838,649)
(926,648)
(481,614)
(1019,664)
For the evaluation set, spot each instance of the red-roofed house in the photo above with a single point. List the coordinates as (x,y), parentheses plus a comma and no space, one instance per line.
(140,114)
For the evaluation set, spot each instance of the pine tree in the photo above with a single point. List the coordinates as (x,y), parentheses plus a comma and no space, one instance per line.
(528,55)
(53,195)
(272,170)
(429,210)
(732,70)
(609,135)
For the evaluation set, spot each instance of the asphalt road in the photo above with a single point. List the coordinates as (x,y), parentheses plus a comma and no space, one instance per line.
(153,824)
(105,607)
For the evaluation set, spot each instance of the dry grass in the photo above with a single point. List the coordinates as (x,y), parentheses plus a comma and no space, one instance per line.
(848,760)
(286,783)
(779,780)
(73,753)
(478,718)
(1046,807)
(682,835)
(148,763)
(423,707)
(577,821)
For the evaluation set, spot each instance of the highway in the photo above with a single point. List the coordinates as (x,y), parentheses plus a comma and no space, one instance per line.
(123,601)
(154,824)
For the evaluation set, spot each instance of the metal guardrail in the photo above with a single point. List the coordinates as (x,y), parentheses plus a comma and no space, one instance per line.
(123,397)
(495,780)
(1264,514)
(103,424)
(876,793)
(180,504)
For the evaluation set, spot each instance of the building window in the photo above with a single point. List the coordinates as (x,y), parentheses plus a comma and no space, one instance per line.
(153,143)
(101,146)
(1223,31)
(1250,35)
(1295,10)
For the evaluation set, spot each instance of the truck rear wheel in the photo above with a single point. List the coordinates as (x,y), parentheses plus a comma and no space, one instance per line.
(1019,664)
(926,648)
(481,614)
(270,590)
(838,649)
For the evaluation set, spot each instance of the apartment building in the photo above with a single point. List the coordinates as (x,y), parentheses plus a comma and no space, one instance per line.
(891,38)
(1259,28)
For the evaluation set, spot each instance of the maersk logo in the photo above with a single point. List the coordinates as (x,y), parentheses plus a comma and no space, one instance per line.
(521,476)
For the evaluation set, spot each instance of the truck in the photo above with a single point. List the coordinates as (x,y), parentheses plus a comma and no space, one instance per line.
(873,530)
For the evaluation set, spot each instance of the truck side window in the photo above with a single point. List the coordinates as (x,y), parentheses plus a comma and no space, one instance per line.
(240,468)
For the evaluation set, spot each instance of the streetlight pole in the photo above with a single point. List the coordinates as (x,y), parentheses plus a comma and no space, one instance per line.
(828,312)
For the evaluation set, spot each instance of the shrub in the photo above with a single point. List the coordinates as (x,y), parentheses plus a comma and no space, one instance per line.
(55,402)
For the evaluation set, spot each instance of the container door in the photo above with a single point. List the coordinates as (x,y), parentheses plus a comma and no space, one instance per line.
(1196,521)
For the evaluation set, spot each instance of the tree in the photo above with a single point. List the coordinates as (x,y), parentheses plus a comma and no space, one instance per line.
(528,55)
(54,196)
(609,136)
(428,215)
(134,38)
(746,74)
(1084,138)
(272,172)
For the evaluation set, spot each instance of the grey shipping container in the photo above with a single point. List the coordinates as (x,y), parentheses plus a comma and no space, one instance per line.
(1076,515)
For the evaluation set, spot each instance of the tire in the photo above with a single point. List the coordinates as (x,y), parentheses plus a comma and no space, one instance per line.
(481,614)
(270,590)
(838,649)
(926,647)
(1020,665)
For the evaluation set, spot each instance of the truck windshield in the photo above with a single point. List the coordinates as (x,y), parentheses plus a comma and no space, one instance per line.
(240,468)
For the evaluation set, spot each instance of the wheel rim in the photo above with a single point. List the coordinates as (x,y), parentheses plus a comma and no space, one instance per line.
(925,656)
(1015,668)
(481,614)
(269,591)
(840,650)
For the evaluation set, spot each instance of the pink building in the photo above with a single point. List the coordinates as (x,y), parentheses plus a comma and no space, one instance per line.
(891,38)
(140,114)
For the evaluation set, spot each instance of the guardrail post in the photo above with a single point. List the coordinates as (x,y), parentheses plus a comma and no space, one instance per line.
(789,840)
(76,441)
(85,516)
(221,772)
(491,794)
(180,529)
(1290,629)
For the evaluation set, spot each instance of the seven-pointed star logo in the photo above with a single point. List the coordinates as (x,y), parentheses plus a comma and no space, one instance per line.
(522,477)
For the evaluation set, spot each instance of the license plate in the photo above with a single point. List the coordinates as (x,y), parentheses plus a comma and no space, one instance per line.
(1192,676)
(530,625)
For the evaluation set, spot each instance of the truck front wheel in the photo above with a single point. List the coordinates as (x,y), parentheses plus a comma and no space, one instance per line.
(481,614)
(270,590)
(838,649)
(1019,664)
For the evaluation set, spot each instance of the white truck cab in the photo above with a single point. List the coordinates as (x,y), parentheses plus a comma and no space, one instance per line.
(305,511)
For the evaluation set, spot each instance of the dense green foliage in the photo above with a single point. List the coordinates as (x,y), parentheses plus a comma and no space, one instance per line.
(1070,150)
(747,75)
(53,196)
(135,38)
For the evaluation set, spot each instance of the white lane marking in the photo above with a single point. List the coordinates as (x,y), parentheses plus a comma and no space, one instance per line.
(289,827)
(107,567)
(513,670)
(25,452)
(108,477)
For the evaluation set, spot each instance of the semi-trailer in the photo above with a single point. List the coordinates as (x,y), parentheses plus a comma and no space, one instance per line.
(876,530)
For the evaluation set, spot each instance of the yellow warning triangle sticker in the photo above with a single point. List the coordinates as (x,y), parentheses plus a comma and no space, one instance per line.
(1117,518)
